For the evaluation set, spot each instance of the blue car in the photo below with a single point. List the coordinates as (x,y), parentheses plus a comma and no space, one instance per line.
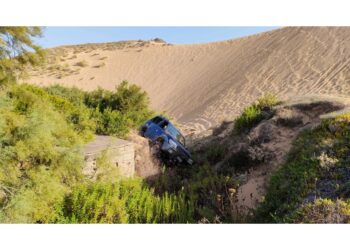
(169,139)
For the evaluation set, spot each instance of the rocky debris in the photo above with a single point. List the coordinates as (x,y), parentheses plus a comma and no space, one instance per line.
(147,163)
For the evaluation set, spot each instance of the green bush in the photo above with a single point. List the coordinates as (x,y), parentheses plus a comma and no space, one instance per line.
(39,156)
(254,113)
(129,100)
(238,162)
(75,112)
(215,153)
(111,122)
(111,112)
(73,94)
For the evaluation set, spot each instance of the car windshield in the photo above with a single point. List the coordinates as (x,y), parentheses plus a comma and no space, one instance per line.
(175,133)
(157,119)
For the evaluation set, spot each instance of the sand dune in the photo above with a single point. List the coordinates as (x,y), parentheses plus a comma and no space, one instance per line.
(201,85)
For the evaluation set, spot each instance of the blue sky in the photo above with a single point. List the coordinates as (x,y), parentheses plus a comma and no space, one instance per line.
(55,36)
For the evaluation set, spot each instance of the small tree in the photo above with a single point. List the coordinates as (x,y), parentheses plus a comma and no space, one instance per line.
(17,50)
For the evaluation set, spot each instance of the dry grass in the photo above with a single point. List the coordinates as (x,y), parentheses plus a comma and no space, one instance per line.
(82,63)
(72,57)
(99,65)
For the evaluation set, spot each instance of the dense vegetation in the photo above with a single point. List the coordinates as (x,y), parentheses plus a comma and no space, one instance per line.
(41,179)
(38,156)
(41,133)
(211,189)
(125,201)
(313,185)
(113,112)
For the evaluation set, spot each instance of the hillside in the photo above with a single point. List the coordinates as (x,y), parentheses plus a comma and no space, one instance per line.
(254,155)
(272,112)
(202,85)
(283,162)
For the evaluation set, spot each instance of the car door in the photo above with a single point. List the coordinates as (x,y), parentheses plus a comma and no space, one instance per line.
(153,131)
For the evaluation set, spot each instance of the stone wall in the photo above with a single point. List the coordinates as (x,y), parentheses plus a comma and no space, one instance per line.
(120,153)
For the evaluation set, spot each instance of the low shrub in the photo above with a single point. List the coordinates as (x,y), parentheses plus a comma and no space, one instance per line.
(238,162)
(255,113)
(81,64)
(324,211)
(215,153)
(100,65)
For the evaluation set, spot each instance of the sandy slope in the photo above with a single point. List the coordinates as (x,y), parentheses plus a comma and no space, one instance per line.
(202,85)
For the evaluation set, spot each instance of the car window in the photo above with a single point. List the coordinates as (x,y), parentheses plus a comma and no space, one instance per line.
(163,124)
(157,119)
(175,133)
